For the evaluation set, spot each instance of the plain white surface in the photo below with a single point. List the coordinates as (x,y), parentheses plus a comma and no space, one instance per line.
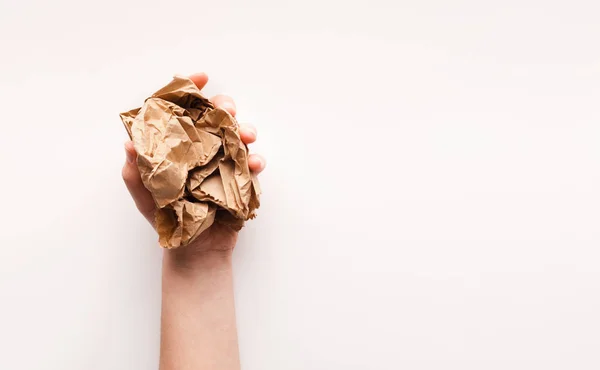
(432,198)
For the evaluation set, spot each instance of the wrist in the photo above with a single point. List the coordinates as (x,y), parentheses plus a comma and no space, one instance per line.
(189,260)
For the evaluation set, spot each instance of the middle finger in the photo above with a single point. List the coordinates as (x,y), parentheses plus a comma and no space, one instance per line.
(224,102)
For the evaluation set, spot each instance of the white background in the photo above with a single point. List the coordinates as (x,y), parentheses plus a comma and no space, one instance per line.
(432,198)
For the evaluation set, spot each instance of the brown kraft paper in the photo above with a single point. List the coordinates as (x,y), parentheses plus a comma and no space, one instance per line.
(192,161)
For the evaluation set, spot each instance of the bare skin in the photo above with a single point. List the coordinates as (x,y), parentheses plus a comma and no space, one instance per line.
(198,329)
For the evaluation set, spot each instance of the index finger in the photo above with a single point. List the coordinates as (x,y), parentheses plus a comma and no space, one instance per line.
(200,79)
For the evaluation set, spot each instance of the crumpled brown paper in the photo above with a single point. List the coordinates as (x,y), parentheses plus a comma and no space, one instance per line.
(192,161)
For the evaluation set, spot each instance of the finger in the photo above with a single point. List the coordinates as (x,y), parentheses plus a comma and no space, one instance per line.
(247,133)
(256,163)
(131,175)
(224,102)
(200,79)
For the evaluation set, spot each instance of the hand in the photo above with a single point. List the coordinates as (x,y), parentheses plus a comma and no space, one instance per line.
(218,238)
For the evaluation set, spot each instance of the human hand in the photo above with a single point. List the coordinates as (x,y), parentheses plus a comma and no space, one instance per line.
(218,238)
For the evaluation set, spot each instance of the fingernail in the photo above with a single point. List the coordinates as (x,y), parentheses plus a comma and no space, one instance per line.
(228,106)
(252,129)
(129,156)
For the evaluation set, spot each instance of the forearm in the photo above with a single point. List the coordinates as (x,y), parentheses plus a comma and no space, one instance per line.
(198,329)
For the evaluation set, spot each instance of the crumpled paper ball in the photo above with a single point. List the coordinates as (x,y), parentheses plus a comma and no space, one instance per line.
(193,162)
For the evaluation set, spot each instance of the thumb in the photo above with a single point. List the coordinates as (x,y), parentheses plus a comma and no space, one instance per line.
(133,180)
